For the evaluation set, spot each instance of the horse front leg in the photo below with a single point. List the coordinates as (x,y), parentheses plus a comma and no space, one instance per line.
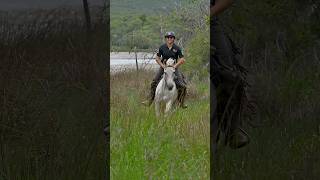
(157,108)
(168,108)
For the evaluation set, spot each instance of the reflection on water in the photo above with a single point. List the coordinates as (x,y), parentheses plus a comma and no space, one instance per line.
(130,61)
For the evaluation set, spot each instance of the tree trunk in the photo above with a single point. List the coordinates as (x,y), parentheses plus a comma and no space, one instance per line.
(87,14)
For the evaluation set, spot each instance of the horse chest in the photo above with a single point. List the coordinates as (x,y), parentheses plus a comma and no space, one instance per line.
(164,94)
(167,96)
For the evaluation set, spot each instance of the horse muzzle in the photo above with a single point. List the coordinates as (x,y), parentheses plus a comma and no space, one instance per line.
(170,87)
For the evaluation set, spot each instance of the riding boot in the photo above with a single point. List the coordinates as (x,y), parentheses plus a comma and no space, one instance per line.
(181,97)
(151,95)
(237,137)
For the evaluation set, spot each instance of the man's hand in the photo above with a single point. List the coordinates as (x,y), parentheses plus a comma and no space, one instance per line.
(220,6)
(180,61)
(158,60)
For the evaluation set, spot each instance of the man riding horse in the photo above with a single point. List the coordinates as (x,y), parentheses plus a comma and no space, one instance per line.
(166,51)
(229,84)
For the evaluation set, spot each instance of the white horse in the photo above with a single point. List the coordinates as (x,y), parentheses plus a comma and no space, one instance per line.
(166,91)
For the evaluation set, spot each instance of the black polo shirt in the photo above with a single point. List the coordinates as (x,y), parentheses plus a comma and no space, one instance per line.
(166,53)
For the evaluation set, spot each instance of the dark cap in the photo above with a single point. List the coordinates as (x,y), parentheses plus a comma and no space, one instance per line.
(170,34)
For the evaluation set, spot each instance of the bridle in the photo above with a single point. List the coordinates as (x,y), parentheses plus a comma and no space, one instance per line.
(165,74)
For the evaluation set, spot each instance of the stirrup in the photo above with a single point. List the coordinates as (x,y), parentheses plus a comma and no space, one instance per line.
(238,139)
(147,102)
(182,105)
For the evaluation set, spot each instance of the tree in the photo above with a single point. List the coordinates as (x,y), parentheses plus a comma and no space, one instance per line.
(87,14)
(143,19)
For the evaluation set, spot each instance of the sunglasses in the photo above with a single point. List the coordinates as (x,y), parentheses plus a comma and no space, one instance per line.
(170,37)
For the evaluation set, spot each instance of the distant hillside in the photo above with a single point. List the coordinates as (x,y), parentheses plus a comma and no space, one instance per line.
(141,6)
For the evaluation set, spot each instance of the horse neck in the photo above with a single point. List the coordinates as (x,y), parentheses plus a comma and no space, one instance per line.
(164,82)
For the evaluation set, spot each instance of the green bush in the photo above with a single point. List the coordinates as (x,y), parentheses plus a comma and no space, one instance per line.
(197,55)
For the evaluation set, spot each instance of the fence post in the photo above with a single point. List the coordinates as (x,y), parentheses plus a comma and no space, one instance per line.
(135,52)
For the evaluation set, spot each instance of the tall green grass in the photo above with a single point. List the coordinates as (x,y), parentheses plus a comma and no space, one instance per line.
(286,140)
(275,152)
(144,147)
(282,58)
(51,110)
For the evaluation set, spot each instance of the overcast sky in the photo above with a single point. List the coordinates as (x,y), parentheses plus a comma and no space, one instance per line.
(26,4)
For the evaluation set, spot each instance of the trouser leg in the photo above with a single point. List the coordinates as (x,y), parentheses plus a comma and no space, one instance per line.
(181,86)
(154,83)
(226,79)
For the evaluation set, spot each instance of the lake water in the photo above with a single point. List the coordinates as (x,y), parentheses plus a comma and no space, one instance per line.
(130,61)
(123,61)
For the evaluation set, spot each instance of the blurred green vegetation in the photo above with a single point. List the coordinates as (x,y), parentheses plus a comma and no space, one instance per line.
(138,27)
(146,6)
(197,53)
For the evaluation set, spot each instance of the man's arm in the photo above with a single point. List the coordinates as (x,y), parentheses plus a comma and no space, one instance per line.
(158,60)
(180,61)
(220,6)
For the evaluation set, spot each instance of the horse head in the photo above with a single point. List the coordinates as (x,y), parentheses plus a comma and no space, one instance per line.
(169,74)
(170,62)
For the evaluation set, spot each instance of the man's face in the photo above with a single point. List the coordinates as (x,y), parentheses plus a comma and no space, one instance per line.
(170,39)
